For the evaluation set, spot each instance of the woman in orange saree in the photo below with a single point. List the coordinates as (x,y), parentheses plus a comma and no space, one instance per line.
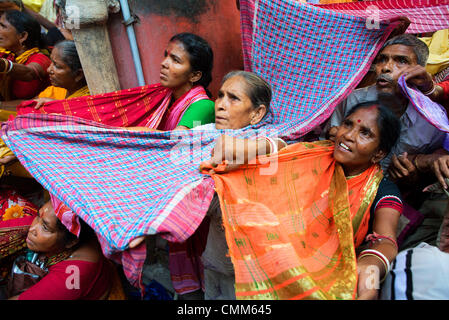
(293,233)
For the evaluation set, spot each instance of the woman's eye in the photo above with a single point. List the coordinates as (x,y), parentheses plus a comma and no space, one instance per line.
(365,132)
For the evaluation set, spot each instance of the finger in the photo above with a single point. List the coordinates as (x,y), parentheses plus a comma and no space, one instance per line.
(7,159)
(38,105)
(137,241)
(406,163)
(391,174)
(400,170)
(394,174)
(444,169)
(436,169)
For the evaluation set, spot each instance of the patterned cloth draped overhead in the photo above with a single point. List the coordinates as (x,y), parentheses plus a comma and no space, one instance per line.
(301,50)
(425,15)
(127,184)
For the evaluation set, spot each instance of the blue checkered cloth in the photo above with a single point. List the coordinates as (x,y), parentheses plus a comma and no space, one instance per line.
(126,184)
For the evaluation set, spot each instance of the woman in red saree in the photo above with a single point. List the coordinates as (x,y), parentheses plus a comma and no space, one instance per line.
(23,59)
(294,233)
(179,101)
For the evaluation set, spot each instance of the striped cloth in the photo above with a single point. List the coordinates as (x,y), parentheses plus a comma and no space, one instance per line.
(424,15)
(433,112)
(419,273)
(313,58)
(126,184)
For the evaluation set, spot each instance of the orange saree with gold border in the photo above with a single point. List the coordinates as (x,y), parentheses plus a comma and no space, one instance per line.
(292,234)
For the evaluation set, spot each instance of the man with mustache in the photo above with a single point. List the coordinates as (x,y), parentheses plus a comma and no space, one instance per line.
(403,54)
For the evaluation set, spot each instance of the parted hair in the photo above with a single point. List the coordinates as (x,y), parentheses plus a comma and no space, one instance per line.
(257,89)
(388,123)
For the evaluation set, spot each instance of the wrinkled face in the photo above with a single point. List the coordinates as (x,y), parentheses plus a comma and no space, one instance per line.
(60,73)
(390,64)
(233,107)
(44,236)
(9,37)
(176,70)
(357,141)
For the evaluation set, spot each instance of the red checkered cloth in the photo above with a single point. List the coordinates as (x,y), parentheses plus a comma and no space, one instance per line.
(424,15)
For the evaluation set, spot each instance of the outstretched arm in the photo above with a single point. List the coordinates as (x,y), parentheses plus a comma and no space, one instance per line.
(236,152)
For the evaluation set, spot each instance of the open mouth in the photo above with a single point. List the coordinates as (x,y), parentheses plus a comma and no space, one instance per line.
(382,82)
(344,147)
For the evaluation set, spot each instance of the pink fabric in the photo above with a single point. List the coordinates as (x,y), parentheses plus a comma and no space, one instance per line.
(186,267)
(170,118)
(424,15)
(68,218)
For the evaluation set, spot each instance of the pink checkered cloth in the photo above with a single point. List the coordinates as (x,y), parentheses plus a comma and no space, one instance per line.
(424,15)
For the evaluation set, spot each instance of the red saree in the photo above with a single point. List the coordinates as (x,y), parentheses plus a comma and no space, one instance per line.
(136,107)
(16,216)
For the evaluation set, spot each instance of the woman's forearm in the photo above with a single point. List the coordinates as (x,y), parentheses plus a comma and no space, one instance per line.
(22,72)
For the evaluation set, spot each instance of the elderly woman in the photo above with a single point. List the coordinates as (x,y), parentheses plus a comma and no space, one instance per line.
(23,66)
(66,257)
(348,172)
(243,100)
(66,75)
(68,81)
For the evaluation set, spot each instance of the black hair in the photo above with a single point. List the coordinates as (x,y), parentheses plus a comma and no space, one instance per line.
(69,55)
(258,89)
(23,22)
(419,47)
(201,56)
(86,233)
(388,123)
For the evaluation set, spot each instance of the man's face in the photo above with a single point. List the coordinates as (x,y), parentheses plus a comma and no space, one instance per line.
(390,64)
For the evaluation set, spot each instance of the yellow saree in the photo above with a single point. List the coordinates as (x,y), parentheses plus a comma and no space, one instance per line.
(16,169)
(292,234)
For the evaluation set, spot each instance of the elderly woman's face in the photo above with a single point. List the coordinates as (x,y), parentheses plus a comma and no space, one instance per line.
(44,236)
(357,141)
(233,107)
(60,73)
(10,39)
